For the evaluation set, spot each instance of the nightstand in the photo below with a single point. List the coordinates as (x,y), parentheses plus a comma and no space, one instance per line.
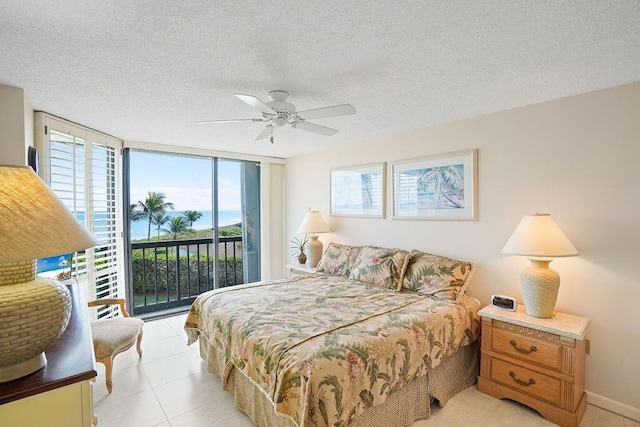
(537,362)
(295,269)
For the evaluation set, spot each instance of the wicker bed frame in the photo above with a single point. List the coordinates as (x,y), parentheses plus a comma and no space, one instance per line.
(401,409)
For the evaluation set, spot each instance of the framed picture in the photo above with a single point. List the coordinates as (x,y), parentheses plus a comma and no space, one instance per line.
(441,187)
(358,191)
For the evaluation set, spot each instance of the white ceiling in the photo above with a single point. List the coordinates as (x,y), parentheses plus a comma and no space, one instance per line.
(147,70)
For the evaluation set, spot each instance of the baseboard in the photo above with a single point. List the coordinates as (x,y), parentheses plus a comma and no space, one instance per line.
(613,406)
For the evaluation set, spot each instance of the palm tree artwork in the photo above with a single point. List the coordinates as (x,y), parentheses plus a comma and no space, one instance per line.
(441,187)
(152,207)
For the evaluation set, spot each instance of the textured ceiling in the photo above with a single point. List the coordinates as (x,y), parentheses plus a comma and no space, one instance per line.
(147,70)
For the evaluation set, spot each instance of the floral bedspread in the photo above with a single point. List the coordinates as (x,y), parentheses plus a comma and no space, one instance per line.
(322,348)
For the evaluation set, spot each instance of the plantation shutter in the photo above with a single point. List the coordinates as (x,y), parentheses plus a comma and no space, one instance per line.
(82,167)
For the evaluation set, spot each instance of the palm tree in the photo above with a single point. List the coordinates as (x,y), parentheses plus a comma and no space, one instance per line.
(191,217)
(134,213)
(160,219)
(446,181)
(153,206)
(177,225)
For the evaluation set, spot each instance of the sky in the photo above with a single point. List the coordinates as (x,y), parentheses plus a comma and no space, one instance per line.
(186,180)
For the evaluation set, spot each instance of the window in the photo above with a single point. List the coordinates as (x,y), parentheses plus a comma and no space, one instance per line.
(82,167)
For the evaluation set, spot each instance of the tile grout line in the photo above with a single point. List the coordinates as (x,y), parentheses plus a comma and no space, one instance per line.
(153,389)
(486,422)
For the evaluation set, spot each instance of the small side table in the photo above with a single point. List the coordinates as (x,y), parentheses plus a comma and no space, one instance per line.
(296,269)
(537,362)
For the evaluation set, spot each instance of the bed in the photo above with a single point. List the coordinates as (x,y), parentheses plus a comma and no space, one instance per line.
(368,340)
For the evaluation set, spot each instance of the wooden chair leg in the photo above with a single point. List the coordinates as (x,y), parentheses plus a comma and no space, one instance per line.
(139,342)
(108,365)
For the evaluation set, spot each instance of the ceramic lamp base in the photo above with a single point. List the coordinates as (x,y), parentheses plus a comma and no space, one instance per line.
(314,250)
(540,285)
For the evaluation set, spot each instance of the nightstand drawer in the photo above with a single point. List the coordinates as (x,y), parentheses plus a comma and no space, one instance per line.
(526,381)
(545,353)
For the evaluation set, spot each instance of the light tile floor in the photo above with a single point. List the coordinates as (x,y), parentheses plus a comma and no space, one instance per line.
(170,387)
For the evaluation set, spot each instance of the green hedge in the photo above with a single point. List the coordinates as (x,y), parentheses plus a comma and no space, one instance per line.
(191,280)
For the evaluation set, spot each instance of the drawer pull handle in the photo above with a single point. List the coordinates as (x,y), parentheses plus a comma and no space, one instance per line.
(522,383)
(532,349)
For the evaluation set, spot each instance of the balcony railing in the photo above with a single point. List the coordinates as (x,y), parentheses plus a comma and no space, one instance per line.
(170,274)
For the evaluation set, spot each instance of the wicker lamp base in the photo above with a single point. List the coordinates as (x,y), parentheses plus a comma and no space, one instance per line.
(540,286)
(34,312)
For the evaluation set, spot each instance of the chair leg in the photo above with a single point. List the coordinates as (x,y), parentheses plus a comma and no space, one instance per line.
(139,342)
(108,365)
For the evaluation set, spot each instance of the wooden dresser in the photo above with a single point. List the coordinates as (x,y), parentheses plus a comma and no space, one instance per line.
(60,394)
(537,362)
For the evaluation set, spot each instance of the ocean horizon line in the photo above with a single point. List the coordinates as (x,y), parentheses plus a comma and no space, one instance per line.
(139,229)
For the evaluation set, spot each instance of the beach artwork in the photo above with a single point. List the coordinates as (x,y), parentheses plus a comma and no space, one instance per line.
(358,191)
(437,187)
(440,187)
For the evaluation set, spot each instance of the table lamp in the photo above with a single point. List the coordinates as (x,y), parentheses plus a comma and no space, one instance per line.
(540,239)
(313,224)
(34,312)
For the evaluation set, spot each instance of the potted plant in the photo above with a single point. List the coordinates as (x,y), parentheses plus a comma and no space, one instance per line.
(298,244)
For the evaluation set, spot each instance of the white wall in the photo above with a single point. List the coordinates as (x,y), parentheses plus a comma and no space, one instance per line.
(16,125)
(576,158)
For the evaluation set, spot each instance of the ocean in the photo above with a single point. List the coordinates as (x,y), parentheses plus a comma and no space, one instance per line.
(139,229)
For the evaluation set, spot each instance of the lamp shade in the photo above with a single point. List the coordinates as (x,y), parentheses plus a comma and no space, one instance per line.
(538,235)
(313,223)
(34,222)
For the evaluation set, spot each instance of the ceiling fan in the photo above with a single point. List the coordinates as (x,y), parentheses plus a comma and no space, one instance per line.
(278,112)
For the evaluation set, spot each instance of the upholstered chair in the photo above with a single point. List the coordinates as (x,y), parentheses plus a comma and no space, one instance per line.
(114,335)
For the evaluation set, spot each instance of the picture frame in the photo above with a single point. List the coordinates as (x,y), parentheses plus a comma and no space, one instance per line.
(358,191)
(440,187)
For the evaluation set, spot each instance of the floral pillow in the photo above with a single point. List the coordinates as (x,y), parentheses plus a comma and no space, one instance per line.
(338,259)
(379,266)
(438,276)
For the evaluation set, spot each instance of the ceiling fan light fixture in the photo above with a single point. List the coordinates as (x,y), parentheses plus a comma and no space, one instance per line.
(278,113)
(278,95)
(279,121)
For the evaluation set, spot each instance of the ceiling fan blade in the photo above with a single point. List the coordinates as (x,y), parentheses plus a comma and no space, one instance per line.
(266,132)
(310,127)
(321,113)
(255,103)
(204,122)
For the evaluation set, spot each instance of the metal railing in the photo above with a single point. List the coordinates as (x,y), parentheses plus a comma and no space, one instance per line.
(169,274)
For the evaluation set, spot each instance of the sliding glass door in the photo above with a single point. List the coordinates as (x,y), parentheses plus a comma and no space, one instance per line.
(192,225)
(250,180)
